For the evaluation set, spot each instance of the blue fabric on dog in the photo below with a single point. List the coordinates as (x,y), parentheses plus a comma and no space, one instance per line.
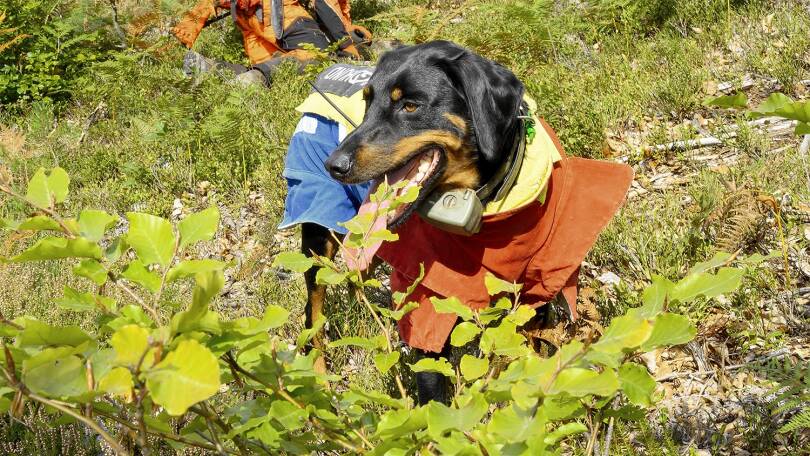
(312,195)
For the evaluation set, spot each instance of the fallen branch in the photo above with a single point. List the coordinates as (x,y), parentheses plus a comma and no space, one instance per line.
(777,354)
(709,141)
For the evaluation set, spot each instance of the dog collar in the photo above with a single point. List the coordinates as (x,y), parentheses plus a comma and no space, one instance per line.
(504,177)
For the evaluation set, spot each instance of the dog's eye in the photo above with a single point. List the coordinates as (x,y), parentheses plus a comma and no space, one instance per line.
(409,107)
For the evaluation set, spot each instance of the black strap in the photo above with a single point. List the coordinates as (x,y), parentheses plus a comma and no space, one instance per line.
(504,178)
(216,19)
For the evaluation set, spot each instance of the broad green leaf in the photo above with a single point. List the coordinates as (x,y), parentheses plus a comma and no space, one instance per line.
(294,261)
(399,313)
(797,110)
(376,397)
(513,424)
(152,238)
(91,269)
(37,333)
(452,305)
(802,128)
(625,332)
(580,382)
(208,285)
(290,416)
(54,248)
(669,329)
(472,367)
(136,272)
(359,224)
(274,317)
(564,431)
(496,286)
(709,285)
(503,340)
(463,333)
(736,101)
(39,223)
(439,365)
(382,235)
(309,333)
(117,382)
(44,190)
(719,259)
(490,314)
(654,296)
(521,315)
(189,374)
(771,105)
(385,361)
(637,384)
(189,268)
(116,248)
(130,343)
(200,226)
(441,418)
(94,223)
(328,276)
(453,444)
(55,377)
(395,423)
(83,302)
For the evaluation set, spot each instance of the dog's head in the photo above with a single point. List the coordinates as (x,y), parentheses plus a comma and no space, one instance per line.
(437,115)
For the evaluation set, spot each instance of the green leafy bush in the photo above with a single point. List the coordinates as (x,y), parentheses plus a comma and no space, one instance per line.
(59,40)
(143,368)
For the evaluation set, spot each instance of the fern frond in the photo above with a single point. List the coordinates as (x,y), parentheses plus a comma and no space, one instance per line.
(800,421)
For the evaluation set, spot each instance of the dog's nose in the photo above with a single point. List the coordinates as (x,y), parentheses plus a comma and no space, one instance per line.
(339,166)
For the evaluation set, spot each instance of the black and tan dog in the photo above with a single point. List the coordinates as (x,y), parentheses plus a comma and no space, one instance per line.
(443,117)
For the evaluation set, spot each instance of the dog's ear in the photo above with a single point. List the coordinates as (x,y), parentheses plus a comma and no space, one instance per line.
(492,92)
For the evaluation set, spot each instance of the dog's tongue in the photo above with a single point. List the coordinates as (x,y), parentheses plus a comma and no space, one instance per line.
(360,258)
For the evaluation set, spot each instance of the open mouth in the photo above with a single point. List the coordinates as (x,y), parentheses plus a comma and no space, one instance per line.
(423,170)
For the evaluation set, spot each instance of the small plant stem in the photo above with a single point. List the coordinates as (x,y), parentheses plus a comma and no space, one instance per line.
(286,396)
(387,334)
(6,321)
(214,435)
(46,210)
(204,411)
(152,311)
(159,294)
(165,435)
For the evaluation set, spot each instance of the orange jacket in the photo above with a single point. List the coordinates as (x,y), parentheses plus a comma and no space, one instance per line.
(258,36)
(540,245)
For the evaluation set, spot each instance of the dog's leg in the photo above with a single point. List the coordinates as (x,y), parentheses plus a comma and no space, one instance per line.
(432,386)
(318,240)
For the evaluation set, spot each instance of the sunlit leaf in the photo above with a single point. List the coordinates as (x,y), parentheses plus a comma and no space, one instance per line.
(580,382)
(200,226)
(91,269)
(385,361)
(189,268)
(44,190)
(54,248)
(669,329)
(94,223)
(709,285)
(136,272)
(130,343)
(294,261)
(472,367)
(736,101)
(625,332)
(187,375)
(117,382)
(771,105)
(439,365)
(451,305)
(463,333)
(39,223)
(496,286)
(637,384)
(152,238)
